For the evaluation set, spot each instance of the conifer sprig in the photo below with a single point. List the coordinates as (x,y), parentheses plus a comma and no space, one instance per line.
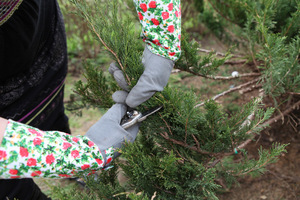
(116,32)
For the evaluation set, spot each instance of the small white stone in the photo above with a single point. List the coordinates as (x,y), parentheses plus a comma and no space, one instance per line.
(235,74)
(263,197)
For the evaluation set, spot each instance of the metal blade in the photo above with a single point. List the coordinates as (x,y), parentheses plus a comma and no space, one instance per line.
(148,113)
(134,117)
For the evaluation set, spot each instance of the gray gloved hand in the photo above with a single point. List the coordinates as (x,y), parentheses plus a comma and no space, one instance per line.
(119,96)
(119,76)
(108,132)
(155,77)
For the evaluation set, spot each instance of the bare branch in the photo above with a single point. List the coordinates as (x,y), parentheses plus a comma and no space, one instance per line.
(166,124)
(154,195)
(251,88)
(231,90)
(218,53)
(197,142)
(233,77)
(286,112)
(186,145)
(217,77)
(293,93)
(228,62)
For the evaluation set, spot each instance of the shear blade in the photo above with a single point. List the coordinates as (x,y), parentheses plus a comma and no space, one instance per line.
(148,113)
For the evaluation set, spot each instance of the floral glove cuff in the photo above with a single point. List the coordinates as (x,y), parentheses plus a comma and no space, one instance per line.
(28,152)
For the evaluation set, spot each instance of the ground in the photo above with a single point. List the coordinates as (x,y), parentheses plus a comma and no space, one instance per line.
(282,180)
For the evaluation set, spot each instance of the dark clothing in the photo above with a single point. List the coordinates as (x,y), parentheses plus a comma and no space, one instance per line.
(33,63)
(33,59)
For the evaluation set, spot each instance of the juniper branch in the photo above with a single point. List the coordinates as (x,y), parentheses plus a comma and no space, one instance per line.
(220,13)
(271,121)
(109,49)
(286,112)
(166,136)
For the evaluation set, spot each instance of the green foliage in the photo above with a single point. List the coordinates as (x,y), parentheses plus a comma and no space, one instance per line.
(164,173)
(280,16)
(279,51)
(194,63)
(253,167)
(104,185)
(173,166)
(116,32)
(281,67)
(97,90)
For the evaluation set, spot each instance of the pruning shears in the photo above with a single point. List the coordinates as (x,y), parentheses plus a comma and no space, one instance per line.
(133,117)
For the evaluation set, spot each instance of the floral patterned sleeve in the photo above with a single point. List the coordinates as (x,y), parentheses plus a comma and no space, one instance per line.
(28,152)
(161,26)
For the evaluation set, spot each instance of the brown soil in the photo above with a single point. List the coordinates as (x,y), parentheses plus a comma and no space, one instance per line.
(282,180)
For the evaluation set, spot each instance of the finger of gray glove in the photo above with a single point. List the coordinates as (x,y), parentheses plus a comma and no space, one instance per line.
(120,96)
(108,132)
(113,67)
(155,77)
(118,76)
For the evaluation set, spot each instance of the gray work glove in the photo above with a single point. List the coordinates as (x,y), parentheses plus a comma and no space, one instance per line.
(108,132)
(119,96)
(155,77)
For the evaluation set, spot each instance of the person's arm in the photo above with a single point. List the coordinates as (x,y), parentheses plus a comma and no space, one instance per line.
(161,31)
(161,26)
(27,152)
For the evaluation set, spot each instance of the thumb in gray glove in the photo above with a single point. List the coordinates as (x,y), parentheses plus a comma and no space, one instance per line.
(108,132)
(154,78)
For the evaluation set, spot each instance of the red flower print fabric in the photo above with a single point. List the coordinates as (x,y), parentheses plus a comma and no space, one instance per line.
(161,24)
(27,152)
